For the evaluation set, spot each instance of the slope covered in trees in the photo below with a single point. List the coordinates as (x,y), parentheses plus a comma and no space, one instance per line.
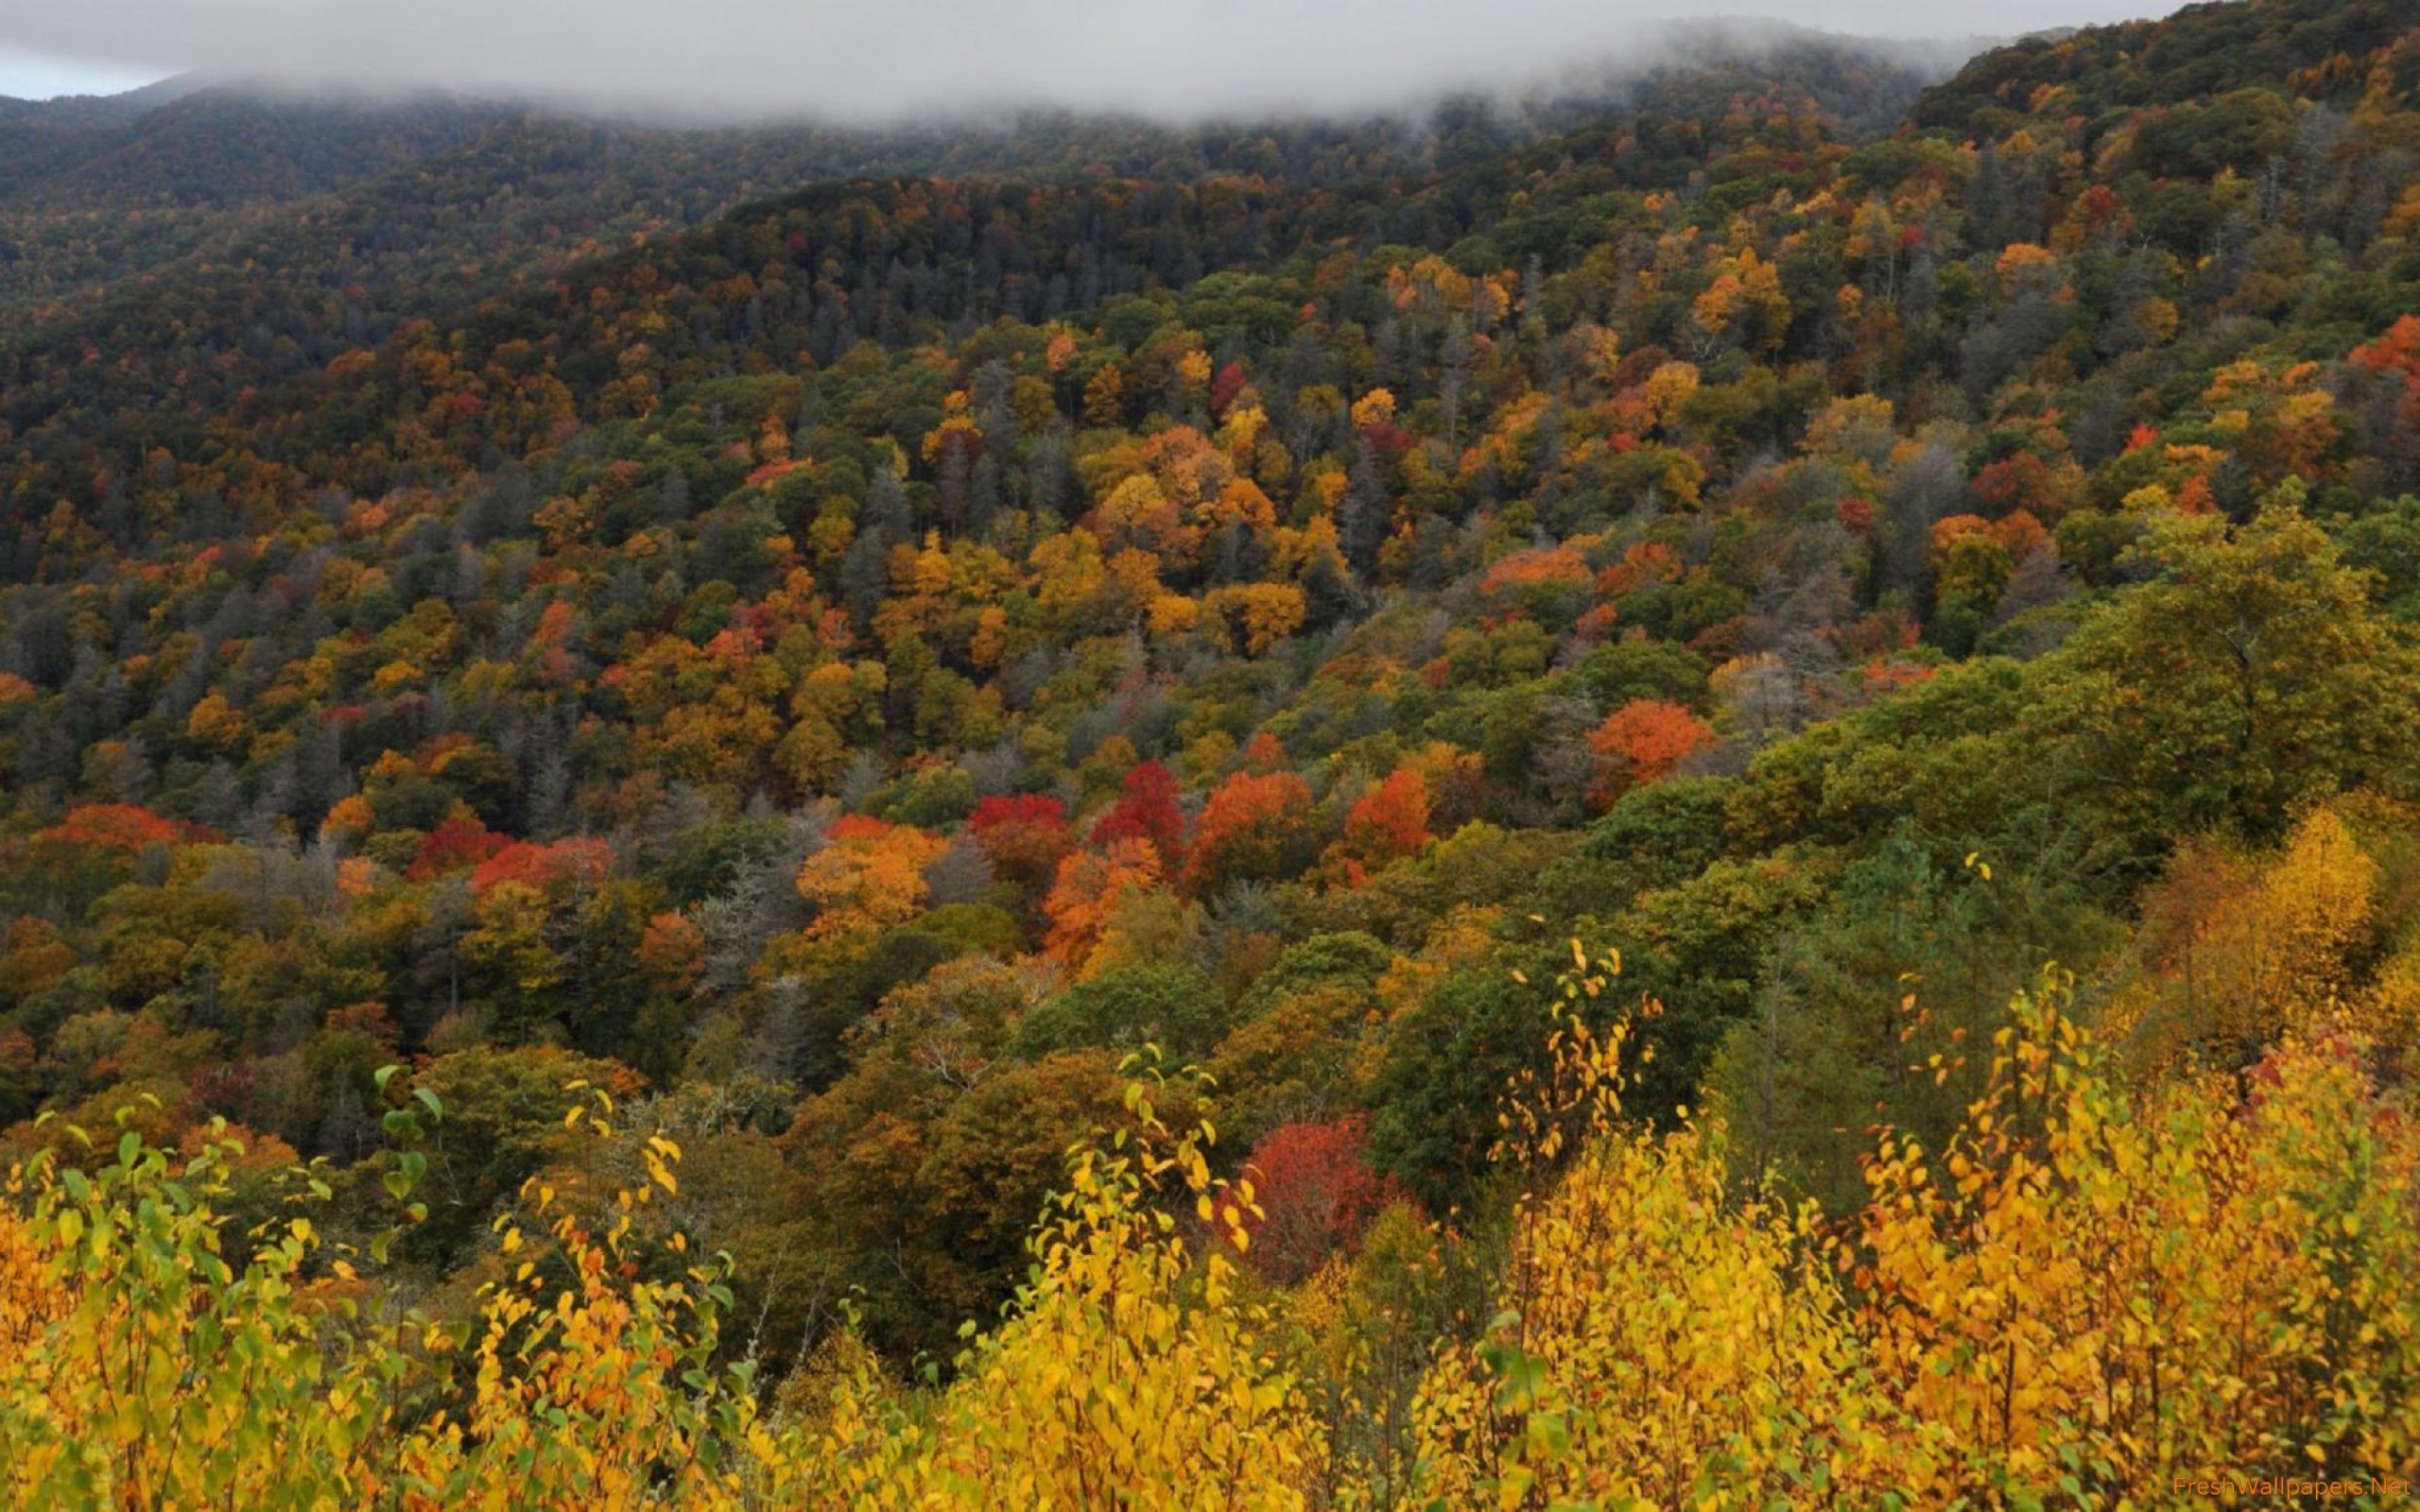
(858,691)
(404,205)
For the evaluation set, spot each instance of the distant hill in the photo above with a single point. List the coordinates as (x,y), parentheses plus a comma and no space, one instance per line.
(165,146)
(98,111)
(2328,51)
(328,222)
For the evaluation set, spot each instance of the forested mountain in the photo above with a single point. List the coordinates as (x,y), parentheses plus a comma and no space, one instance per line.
(1700,792)
(467,193)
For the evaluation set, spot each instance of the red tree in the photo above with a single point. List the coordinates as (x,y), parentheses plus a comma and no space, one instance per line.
(1226,386)
(1147,809)
(2023,481)
(1388,823)
(457,842)
(1315,1192)
(545,866)
(114,827)
(1025,835)
(1642,742)
(1256,828)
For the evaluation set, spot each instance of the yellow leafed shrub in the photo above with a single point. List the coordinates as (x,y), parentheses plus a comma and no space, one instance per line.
(1129,1373)
(2091,1293)
(2085,1295)
(1659,1344)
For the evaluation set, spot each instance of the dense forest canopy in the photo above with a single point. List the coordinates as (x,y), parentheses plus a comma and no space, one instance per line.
(1371,788)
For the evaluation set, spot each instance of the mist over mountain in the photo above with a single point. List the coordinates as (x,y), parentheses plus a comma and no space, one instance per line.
(841,60)
(208,165)
(353,127)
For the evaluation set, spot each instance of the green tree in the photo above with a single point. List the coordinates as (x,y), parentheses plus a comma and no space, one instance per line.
(2251,673)
(1176,1008)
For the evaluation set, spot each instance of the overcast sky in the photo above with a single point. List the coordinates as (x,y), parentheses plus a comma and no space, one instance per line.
(858,57)
(32,75)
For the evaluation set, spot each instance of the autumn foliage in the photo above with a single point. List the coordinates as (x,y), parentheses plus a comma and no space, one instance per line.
(459,842)
(557,864)
(112,827)
(1316,1192)
(1026,836)
(1642,742)
(2024,1308)
(1388,823)
(1050,726)
(1147,809)
(2027,1308)
(870,876)
(1253,827)
(1088,889)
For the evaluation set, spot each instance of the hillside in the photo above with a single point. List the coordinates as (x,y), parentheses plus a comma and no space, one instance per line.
(1481,758)
(194,176)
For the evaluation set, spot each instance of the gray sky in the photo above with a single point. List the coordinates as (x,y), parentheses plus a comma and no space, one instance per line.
(26,75)
(861,57)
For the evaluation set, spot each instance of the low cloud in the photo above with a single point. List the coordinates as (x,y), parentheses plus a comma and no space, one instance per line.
(877,58)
